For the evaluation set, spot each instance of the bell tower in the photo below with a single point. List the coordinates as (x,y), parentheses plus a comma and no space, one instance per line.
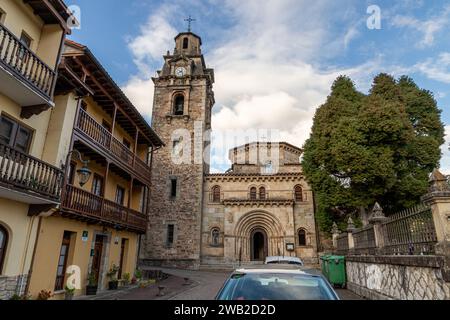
(183,100)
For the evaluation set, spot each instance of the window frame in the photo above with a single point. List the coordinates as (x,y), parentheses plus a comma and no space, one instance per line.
(300,244)
(173,188)
(185,44)
(98,177)
(216,194)
(16,127)
(170,236)
(253,194)
(121,189)
(298,193)
(213,230)
(262,193)
(26,40)
(66,241)
(175,104)
(3,247)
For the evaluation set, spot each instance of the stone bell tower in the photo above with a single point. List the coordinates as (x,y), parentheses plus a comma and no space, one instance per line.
(182,105)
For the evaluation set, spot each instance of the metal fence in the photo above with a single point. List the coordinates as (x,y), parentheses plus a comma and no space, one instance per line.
(342,243)
(410,232)
(364,240)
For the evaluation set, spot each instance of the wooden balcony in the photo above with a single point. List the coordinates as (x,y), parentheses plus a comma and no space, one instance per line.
(28,179)
(25,78)
(84,205)
(99,136)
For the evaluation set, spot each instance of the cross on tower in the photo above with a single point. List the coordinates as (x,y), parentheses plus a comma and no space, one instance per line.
(189,20)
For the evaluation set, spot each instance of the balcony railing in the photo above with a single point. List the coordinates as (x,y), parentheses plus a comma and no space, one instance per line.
(102,137)
(28,174)
(23,62)
(89,205)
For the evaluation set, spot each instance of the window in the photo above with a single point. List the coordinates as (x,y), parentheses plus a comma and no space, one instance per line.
(173,187)
(3,246)
(71,174)
(178,108)
(126,143)
(302,237)
(97,185)
(185,43)
(106,125)
(62,261)
(14,134)
(253,193)
(170,234)
(262,193)
(216,194)
(26,41)
(120,195)
(298,193)
(2,16)
(215,237)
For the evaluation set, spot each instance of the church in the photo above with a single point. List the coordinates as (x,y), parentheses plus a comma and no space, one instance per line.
(258,208)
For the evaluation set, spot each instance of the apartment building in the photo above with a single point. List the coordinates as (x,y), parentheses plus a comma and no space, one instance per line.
(32,34)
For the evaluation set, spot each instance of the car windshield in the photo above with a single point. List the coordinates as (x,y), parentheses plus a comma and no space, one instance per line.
(275,286)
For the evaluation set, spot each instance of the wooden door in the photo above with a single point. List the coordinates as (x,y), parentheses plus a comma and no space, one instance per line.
(97,258)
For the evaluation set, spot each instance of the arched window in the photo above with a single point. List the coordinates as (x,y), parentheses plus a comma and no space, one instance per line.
(3,245)
(298,193)
(302,237)
(215,237)
(185,43)
(253,193)
(216,194)
(178,106)
(262,193)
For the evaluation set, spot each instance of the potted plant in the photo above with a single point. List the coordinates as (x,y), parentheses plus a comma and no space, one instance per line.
(138,275)
(113,283)
(44,295)
(68,293)
(91,287)
(126,279)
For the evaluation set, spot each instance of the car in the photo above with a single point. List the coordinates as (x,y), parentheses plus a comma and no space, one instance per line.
(284,260)
(280,282)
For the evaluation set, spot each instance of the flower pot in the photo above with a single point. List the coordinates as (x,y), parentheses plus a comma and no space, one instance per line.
(91,290)
(113,285)
(68,296)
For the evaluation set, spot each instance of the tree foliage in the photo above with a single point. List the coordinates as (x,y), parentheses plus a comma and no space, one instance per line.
(376,147)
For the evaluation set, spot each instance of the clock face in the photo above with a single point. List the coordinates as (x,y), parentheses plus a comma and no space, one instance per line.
(180,72)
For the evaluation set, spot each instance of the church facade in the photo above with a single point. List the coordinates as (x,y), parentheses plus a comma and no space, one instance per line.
(258,208)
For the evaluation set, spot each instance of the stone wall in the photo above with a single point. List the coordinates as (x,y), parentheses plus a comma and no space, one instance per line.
(10,286)
(397,277)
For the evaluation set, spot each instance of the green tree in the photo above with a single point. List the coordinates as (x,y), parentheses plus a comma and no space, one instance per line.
(376,147)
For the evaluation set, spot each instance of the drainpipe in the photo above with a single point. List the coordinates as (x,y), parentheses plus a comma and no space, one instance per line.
(30,272)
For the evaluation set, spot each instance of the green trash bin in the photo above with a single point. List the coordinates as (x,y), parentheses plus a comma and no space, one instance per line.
(336,273)
(324,264)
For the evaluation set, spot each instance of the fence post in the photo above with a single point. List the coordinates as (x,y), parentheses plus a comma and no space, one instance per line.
(376,218)
(350,229)
(438,198)
(335,234)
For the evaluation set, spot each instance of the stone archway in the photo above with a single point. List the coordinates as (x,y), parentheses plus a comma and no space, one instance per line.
(258,234)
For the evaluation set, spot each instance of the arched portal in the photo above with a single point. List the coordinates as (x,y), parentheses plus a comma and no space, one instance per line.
(258,245)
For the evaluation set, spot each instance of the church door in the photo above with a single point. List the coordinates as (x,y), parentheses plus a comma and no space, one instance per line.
(259,245)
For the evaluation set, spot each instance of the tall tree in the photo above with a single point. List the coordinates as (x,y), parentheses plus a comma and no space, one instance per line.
(376,147)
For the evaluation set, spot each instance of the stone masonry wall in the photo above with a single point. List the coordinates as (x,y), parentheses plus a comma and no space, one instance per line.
(11,285)
(397,277)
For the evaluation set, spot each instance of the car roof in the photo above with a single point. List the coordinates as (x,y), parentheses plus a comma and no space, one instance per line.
(286,258)
(279,268)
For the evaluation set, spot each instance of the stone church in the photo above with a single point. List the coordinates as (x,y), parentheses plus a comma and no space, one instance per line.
(257,208)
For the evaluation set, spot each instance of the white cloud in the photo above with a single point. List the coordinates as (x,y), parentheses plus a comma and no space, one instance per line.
(429,28)
(445,161)
(436,69)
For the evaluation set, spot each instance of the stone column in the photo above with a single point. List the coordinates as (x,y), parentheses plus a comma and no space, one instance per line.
(350,229)
(438,198)
(376,218)
(335,233)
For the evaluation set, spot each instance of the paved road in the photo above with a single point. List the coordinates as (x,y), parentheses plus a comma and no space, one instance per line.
(206,284)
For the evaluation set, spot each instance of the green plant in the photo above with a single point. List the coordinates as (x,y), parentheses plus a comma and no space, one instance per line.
(138,274)
(126,278)
(69,291)
(92,279)
(112,273)
(44,295)
(17,297)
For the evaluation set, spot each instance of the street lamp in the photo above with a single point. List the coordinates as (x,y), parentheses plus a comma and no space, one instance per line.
(84,173)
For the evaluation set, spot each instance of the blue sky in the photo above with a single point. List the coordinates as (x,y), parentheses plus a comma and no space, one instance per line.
(274,60)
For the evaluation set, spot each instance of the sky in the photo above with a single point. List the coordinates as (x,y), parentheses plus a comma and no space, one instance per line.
(274,60)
